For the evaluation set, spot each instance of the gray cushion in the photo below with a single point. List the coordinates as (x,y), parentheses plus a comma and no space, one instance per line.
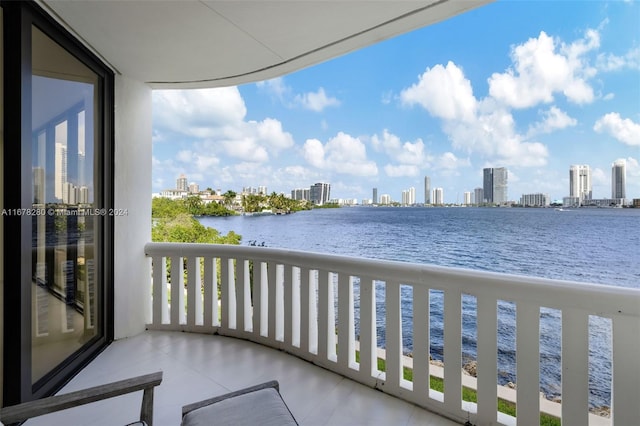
(263,407)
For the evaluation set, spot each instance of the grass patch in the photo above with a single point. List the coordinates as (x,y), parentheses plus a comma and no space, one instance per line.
(468,394)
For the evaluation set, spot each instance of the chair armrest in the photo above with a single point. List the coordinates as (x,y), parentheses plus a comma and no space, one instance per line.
(194,406)
(21,412)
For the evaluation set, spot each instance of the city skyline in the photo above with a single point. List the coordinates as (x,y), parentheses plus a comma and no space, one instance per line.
(557,89)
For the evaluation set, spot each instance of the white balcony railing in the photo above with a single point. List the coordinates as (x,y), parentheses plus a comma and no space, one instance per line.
(305,304)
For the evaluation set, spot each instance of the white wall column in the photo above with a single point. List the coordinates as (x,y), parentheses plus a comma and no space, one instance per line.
(132,176)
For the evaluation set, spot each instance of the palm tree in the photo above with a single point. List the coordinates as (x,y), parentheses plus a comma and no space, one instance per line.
(229,196)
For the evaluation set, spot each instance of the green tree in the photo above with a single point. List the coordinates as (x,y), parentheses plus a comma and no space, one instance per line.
(193,204)
(229,196)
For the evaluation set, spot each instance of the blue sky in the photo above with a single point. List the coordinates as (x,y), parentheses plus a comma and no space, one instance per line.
(534,86)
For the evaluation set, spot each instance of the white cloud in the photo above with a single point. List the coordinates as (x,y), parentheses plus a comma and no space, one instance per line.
(216,119)
(608,97)
(316,101)
(313,152)
(343,154)
(543,67)
(444,92)
(611,62)
(185,156)
(201,113)
(624,130)
(552,119)
(275,87)
(408,153)
(402,170)
(448,161)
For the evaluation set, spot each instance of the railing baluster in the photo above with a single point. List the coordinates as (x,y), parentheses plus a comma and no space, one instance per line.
(331,335)
(194,297)
(240,294)
(271,292)
(210,292)
(487,324)
(177,291)
(626,374)
(393,336)
(160,302)
(368,359)
(295,306)
(288,305)
(323,315)
(306,308)
(452,351)
(228,294)
(575,367)
(257,298)
(528,363)
(345,321)
(421,380)
(313,312)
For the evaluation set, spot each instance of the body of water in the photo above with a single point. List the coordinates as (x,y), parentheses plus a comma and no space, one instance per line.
(599,246)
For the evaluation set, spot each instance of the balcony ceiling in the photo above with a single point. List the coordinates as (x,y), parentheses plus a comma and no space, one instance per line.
(209,43)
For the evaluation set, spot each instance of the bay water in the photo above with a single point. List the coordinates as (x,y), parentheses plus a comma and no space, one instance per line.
(599,246)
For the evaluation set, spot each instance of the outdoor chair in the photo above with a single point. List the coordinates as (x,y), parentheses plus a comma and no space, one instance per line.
(17,414)
(256,405)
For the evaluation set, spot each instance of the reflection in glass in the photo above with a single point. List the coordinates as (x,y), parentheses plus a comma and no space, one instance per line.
(65,291)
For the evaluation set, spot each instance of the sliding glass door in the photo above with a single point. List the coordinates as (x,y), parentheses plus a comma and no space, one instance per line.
(58,242)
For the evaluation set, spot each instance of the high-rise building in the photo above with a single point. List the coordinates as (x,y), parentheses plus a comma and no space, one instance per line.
(437,196)
(194,188)
(182,184)
(467,198)
(618,179)
(262,190)
(427,190)
(60,170)
(478,195)
(300,194)
(375,196)
(535,200)
(38,185)
(320,193)
(494,185)
(580,182)
(385,199)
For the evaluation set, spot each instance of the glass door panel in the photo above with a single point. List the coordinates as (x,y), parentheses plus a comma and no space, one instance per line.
(65,228)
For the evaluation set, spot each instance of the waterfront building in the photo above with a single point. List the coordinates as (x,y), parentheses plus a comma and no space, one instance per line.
(571,201)
(319,193)
(409,197)
(181,183)
(495,181)
(427,190)
(478,195)
(580,183)
(618,179)
(375,196)
(300,194)
(385,199)
(437,196)
(604,202)
(535,200)
(467,198)
(194,188)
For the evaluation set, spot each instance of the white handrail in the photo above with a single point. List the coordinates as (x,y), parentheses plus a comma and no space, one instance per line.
(291,299)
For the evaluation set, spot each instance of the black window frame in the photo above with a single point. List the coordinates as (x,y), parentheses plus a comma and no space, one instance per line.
(18,20)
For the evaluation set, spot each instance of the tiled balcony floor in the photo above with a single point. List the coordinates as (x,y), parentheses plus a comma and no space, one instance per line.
(197,366)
